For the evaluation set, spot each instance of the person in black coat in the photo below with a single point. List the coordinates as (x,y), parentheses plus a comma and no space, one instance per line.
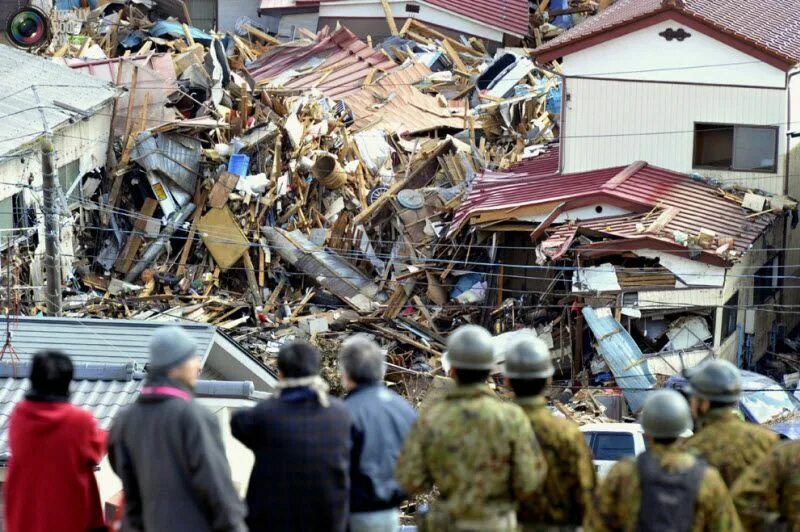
(381,422)
(301,442)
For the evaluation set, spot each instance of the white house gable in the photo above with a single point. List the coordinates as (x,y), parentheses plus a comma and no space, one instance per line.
(670,51)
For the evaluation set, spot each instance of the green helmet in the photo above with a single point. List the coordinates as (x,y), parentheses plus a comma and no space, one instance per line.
(715,380)
(528,358)
(470,347)
(665,414)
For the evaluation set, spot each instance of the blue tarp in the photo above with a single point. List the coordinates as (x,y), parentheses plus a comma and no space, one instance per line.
(622,355)
(166,28)
(67,5)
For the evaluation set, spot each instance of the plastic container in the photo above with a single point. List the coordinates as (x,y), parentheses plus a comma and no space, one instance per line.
(239,164)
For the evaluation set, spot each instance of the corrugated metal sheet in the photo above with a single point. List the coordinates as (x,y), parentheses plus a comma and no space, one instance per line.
(635,120)
(336,63)
(21,120)
(155,78)
(175,156)
(639,187)
(622,355)
(394,104)
(770,25)
(95,341)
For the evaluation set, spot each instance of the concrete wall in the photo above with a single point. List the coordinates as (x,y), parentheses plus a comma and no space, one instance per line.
(613,123)
(792,264)
(230,11)
(645,55)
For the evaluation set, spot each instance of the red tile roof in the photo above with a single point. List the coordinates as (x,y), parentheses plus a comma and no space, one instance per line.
(772,26)
(509,15)
(346,62)
(639,187)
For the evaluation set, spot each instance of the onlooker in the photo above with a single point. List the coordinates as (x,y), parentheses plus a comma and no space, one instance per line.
(168,450)
(55,447)
(479,451)
(301,442)
(381,421)
(663,488)
(562,502)
(723,439)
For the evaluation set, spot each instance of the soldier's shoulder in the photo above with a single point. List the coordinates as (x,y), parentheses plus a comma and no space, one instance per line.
(563,428)
(761,433)
(623,470)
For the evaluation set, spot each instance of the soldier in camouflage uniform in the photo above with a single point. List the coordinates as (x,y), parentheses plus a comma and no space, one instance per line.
(721,438)
(478,451)
(561,503)
(663,488)
(767,494)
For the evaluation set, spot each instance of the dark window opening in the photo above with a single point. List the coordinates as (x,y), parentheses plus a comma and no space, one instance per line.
(730,316)
(766,280)
(729,147)
(612,446)
(412,8)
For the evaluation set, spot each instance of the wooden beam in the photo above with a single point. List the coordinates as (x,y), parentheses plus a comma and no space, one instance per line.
(126,258)
(387,10)
(200,198)
(255,32)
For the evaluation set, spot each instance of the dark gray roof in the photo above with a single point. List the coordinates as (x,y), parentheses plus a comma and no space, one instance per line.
(94,341)
(103,389)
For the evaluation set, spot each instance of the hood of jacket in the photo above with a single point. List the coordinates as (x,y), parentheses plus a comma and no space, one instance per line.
(44,416)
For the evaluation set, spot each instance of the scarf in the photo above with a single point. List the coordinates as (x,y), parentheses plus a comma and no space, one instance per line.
(314,383)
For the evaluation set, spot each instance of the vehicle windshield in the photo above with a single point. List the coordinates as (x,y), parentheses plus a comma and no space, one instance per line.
(764,404)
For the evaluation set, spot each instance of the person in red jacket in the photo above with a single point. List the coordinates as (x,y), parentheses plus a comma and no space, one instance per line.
(55,448)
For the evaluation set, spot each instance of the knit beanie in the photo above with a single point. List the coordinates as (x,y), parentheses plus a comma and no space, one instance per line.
(169,348)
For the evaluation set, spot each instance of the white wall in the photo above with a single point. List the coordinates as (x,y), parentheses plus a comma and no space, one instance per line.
(645,55)
(612,123)
(240,458)
(792,264)
(427,14)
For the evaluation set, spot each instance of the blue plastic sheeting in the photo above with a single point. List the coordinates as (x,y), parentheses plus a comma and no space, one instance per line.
(67,5)
(563,21)
(164,28)
(621,354)
(464,284)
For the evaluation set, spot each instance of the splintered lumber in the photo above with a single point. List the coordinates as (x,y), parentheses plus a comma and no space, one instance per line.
(200,200)
(126,258)
(405,339)
(257,33)
(223,237)
(251,278)
(387,11)
(225,184)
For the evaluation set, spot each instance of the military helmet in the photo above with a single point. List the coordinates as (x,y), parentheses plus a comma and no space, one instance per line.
(470,347)
(715,380)
(528,358)
(665,414)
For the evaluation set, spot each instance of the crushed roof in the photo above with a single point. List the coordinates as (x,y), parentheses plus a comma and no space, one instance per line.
(639,187)
(770,25)
(22,115)
(337,64)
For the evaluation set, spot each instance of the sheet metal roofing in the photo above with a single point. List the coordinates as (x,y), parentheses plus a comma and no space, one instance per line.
(769,25)
(95,341)
(23,115)
(336,63)
(639,188)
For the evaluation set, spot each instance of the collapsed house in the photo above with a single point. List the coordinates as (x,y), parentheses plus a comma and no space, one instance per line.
(680,261)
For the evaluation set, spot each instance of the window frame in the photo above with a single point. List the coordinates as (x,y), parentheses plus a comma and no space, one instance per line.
(762,294)
(772,170)
(730,311)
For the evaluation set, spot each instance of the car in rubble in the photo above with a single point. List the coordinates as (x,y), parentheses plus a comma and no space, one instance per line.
(764,402)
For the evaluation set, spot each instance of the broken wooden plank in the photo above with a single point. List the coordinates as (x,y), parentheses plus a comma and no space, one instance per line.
(128,254)
(387,11)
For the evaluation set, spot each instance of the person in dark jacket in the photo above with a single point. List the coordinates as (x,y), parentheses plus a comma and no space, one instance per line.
(168,450)
(301,442)
(381,421)
(55,447)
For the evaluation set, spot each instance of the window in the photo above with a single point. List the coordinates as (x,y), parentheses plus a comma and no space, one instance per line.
(766,280)
(729,147)
(730,316)
(611,445)
(14,214)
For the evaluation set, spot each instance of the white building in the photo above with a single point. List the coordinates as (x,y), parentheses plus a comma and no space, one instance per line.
(694,86)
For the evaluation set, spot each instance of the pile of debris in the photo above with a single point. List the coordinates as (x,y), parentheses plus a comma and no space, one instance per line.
(293,190)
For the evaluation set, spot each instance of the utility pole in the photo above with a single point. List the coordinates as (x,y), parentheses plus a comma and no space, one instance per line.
(52,260)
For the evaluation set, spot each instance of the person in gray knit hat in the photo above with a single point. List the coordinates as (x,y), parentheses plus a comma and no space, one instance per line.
(168,450)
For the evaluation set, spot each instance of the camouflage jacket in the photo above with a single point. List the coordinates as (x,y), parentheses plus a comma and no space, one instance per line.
(479,451)
(769,491)
(566,494)
(619,496)
(729,444)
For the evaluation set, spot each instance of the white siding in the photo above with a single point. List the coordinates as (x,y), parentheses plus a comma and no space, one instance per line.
(428,14)
(792,265)
(613,123)
(645,55)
